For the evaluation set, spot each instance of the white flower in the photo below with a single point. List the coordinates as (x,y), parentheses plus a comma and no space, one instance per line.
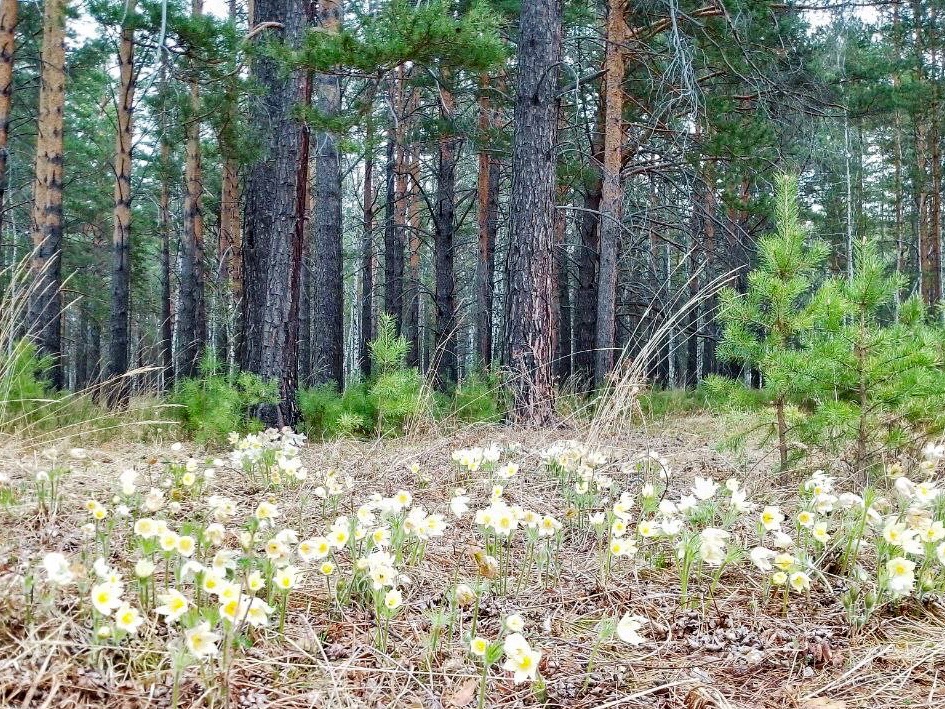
(459,505)
(704,488)
(173,605)
(771,518)
(144,568)
(201,642)
(739,502)
(799,581)
(127,481)
(286,578)
(523,663)
(762,558)
(900,576)
(628,627)
(106,597)
(128,619)
(393,599)
(57,568)
(514,622)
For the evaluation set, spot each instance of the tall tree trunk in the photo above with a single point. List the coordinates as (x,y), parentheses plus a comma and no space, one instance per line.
(562,291)
(272,248)
(164,225)
(367,253)
(8,18)
(611,205)
(44,319)
(586,257)
(413,294)
(121,228)
(529,336)
(487,217)
(393,243)
(328,296)
(192,317)
(444,231)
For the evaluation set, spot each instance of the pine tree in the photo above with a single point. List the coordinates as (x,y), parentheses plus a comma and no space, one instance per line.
(762,326)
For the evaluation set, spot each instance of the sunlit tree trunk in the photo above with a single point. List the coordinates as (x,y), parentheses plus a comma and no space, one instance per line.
(121,223)
(44,320)
(529,337)
(611,204)
(487,219)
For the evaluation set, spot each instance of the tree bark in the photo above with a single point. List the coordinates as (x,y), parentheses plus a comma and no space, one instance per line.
(443,246)
(413,292)
(393,243)
(44,318)
(586,257)
(563,328)
(192,317)
(328,295)
(164,224)
(611,205)
(272,248)
(487,217)
(367,254)
(121,228)
(8,19)
(529,336)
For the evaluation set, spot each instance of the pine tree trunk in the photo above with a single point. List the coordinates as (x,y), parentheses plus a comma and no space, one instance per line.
(444,233)
(8,19)
(562,367)
(586,257)
(164,224)
(487,218)
(413,294)
(328,288)
(121,228)
(272,249)
(192,323)
(393,245)
(44,319)
(529,336)
(367,255)
(611,205)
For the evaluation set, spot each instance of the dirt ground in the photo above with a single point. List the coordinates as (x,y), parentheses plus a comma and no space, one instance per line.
(735,649)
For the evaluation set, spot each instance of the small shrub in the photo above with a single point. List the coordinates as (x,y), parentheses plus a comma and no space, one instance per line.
(480,397)
(215,403)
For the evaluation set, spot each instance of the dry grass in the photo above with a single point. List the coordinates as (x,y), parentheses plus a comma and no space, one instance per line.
(736,650)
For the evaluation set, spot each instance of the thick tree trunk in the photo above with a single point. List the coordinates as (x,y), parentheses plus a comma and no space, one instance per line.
(443,248)
(529,336)
(273,236)
(8,18)
(192,317)
(328,288)
(611,205)
(487,218)
(367,255)
(121,228)
(586,257)
(44,319)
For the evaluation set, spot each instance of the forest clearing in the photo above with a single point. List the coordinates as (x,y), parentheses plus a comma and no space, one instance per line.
(472,353)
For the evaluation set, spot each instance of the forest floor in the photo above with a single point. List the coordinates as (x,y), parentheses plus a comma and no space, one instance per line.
(739,647)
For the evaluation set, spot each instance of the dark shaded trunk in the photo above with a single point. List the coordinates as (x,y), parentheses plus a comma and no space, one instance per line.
(529,321)
(367,255)
(8,18)
(121,230)
(444,233)
(273,230)
(192,316)
(586,258)
(563,329)
(413,294)
(328,288)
